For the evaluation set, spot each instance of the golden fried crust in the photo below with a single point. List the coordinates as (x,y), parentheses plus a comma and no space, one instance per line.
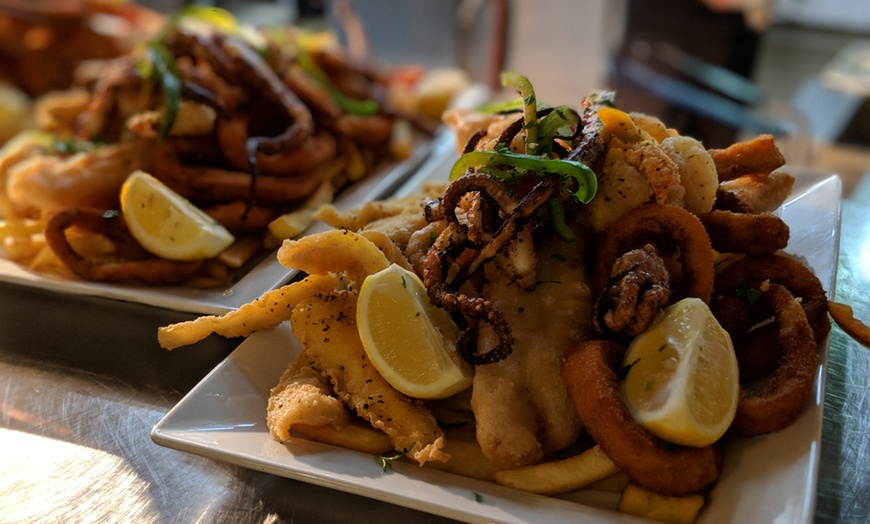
(522,410)
(326,327)
(589,373)
(301,397)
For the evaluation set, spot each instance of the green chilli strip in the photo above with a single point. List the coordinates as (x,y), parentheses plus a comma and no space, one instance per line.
(559,119)
(530,107)
(163,64)
(587,184)
(160,63)
(349,105)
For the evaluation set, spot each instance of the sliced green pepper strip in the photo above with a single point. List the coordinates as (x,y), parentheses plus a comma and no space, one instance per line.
(163,64)
(557,220)
(559,118)
(349,105)
(530,107)
(587,184)
(507,106)
(159,64)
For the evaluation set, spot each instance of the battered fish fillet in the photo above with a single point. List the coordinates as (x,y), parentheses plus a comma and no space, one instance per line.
(522,409)
(301,397)
(326,327)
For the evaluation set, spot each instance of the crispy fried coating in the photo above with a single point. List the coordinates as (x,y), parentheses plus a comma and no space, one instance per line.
(302,397)
(590,375)
(759,155)
(522,409)
(326,327)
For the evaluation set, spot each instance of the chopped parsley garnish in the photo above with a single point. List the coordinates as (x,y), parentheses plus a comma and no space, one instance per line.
(386,460)
(744,290)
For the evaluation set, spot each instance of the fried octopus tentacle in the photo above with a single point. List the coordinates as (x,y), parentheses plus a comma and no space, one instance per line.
(441,293)
(778,402)
(140,267)
(589,373)
(669,228)
(638,288)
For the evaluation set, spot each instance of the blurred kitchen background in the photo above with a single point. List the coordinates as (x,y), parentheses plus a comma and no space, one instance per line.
(715,69)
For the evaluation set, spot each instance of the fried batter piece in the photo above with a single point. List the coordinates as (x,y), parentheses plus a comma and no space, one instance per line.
(326,327)
(754,193)
(302,397)
(522,409)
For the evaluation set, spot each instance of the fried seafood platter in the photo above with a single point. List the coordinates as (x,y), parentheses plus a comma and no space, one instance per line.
(235,135)
(591,303)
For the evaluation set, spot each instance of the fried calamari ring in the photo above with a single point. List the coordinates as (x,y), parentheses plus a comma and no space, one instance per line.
(777,402)
(751,234)
(589,373)
(133,263)
(216,185)
(671,230)
(783,270)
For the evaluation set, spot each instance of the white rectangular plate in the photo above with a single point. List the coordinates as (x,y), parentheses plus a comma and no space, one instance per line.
(266,275)
(766,479)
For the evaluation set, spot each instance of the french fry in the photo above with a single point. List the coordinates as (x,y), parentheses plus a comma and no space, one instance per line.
(46,261)
(845,318)
(292,224)
(560,476)
(674,510)
(356,435)
(242,250)
(23,248)
(20,227)
(466,459)
(613,484)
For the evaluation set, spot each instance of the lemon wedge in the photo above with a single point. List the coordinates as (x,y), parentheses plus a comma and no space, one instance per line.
(682,381)
(410,342)
(167,224)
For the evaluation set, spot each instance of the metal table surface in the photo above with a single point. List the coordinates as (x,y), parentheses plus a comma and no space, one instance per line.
(82,382)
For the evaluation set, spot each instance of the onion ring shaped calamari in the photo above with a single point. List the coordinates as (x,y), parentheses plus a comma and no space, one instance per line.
(786,271)
(777,403)
(589,373)
(141,266)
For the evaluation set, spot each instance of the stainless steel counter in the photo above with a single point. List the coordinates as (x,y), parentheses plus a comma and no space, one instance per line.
(82,381)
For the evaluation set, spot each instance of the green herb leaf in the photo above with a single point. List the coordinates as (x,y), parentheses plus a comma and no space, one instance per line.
(386,460)
(744,290)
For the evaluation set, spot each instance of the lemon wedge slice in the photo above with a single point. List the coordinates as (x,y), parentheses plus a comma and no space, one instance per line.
(410,342)
(682,381)
(167,224)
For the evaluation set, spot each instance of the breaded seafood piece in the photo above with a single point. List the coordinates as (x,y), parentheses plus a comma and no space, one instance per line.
(326,327)
(522,409)
(301,397)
